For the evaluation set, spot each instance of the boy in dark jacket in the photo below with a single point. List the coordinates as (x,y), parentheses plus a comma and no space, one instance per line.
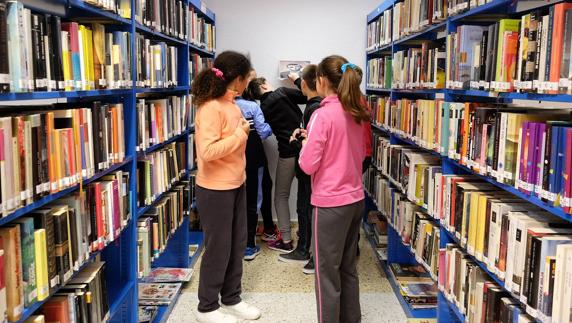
(307,84)
(281,111)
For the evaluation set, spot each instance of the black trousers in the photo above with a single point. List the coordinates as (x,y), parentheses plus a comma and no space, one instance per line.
(223,217)
(252,203)
(304,210)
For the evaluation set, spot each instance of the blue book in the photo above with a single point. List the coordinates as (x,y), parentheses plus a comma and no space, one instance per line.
(553,177)
(562,144)
(15,48)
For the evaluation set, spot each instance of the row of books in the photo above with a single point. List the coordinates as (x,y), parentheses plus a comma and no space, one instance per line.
(478,298)
(161,119)
(197,63)
(419,67)
(158,171)
(120,7)
(513,239)
(525,148)
(379,73)
(168,17)
(157,63)
(378,229)
(43,249)
(156,226)
(45,152)
(83,299)
(417,230)
(531,54)
(379,31)
(44,54)
(201,32)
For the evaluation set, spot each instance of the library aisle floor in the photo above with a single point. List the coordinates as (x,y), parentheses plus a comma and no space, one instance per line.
(276,287)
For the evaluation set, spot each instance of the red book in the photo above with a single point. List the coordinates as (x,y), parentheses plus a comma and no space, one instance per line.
(557,41)
(567,170)
(56,310)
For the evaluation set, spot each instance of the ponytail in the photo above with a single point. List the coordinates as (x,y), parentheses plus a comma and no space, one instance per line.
(212,83)
(345,79)
(350,95)
(207,86)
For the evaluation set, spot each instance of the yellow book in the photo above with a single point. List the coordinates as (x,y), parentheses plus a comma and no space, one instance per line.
(473,223)
(41,257)
(481,218)
(99,54)
(66,61)
(35,319)
(419,174)
(89,53)
(125,9)
(84,57)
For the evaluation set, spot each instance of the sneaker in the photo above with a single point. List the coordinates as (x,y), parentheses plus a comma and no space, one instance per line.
(280,245)
(251,252)
(309,268)
(243,311)
(297,256)
(215,317)
(269,237)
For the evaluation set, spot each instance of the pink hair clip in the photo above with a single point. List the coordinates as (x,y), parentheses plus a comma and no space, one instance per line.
(218,73)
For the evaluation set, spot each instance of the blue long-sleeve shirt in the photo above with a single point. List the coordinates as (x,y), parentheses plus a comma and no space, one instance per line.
(251,110)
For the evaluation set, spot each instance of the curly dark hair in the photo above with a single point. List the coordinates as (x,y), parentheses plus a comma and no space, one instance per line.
(208,86)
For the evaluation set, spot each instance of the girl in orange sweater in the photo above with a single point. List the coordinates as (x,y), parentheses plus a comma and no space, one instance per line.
(221,135)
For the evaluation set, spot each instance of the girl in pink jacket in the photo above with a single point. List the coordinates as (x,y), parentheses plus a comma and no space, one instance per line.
(332,154)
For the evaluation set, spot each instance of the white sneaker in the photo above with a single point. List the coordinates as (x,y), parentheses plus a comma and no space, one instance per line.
(215,317)
(243,311)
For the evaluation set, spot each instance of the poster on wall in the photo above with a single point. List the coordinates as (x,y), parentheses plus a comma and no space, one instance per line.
(287,67)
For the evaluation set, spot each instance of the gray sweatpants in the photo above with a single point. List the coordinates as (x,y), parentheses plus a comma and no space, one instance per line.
(335,237)
(223,217)
(285,172)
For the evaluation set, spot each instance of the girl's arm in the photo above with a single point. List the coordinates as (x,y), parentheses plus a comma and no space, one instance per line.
(312,151)
(210,145)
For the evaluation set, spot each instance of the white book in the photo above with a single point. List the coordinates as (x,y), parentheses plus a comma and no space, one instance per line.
(543,48)
(562,267)
(28,49)
(502,146)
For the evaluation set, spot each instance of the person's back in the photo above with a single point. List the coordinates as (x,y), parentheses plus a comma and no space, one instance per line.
(337,180)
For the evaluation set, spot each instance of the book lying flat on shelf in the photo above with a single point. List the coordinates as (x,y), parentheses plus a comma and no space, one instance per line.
(158,293)
(146,314)
(169,275)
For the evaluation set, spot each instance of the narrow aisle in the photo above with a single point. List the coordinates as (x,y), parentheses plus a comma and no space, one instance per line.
(285,294)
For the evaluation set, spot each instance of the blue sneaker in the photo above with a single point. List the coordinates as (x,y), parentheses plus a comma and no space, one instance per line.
(251,252)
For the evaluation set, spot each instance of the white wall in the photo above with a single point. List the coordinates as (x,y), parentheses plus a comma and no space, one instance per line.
(274,30)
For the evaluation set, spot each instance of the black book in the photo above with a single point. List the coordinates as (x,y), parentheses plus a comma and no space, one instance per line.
(549,43)
(532,248)
(494,296)
(56,61)
(531,52)
(483,58)
(73,238)
(44,219)
(38,55)
(497,141)
(43,137)
(491,52)
(538,47)
(61,240)
(532,295)
(4,64)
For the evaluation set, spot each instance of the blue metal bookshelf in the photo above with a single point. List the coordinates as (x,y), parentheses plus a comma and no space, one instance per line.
(120,255)
(397,251)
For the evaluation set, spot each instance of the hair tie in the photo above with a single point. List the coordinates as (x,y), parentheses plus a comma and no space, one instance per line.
(346,65)
(218,73)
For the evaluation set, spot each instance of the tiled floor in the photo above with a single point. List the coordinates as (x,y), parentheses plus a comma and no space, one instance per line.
(285,294)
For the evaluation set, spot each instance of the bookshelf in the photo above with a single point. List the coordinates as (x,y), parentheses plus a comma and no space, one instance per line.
(484,14)
(120,255)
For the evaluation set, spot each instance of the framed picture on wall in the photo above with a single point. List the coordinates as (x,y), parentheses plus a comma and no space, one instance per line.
(287,67)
